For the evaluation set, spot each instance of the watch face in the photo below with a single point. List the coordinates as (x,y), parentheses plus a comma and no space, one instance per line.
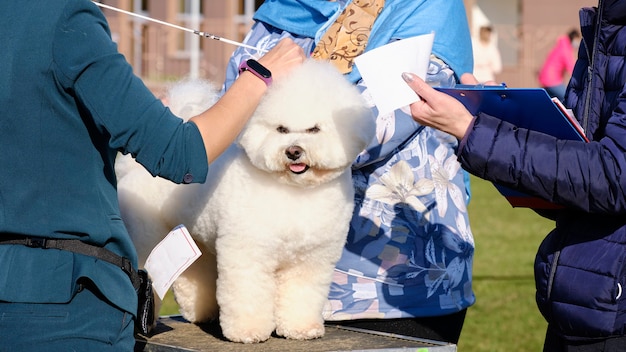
(258,68)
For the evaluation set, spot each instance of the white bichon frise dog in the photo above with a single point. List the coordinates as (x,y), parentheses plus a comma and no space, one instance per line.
(273,216)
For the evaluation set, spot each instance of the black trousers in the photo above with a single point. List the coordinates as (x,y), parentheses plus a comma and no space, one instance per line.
(445,328)
(555,343)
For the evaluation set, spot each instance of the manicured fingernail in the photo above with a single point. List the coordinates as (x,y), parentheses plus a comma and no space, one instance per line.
(407,77)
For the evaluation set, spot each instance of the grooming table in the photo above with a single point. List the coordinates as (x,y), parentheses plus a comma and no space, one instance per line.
(174,334)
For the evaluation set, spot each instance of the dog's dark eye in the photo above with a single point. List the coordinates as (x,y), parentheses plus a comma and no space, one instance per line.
(282,129)
(313,130)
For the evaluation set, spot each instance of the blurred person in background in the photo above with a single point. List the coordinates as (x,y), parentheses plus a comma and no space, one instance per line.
(487,59)
(558,65)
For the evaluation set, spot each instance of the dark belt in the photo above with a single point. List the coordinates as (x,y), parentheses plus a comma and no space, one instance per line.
(77,246)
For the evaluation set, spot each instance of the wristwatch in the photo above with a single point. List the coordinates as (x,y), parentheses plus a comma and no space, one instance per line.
(256,69)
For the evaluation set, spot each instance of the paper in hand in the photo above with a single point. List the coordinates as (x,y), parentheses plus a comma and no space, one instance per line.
(382,69)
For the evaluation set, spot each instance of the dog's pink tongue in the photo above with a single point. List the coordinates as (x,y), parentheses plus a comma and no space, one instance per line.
(297,167)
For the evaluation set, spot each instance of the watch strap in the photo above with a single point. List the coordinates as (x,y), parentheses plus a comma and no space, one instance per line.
(256,69)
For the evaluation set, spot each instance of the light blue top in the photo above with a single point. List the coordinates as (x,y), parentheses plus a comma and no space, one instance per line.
(399,19)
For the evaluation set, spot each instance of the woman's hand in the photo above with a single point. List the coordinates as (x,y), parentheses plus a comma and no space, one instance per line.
(222,122)
(282,58)
(437,109)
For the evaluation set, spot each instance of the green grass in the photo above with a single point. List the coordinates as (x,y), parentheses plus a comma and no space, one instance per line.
(505,317)
(169,306)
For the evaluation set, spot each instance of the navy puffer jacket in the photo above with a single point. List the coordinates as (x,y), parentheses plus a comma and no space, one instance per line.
(580,268)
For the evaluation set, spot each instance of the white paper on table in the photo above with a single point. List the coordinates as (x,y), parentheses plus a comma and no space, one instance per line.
(382,69)
(173,255)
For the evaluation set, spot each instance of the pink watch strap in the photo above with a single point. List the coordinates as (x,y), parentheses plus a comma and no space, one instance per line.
(256,69)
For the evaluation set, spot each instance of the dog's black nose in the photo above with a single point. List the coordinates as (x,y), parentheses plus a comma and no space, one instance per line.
(293,152)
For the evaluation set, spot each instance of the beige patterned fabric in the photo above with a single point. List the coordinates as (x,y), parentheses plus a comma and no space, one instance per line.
(347,37)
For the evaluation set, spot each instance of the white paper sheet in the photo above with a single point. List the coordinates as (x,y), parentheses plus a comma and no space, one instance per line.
(382,69)
(173,255)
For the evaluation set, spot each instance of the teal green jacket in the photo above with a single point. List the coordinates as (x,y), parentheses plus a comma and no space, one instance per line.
(68,103)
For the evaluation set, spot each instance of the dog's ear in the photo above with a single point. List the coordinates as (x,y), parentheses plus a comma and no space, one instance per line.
(365,124)
(358,121)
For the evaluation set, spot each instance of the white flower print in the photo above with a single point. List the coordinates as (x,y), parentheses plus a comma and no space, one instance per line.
(398,185)
(460,240)
(443,169)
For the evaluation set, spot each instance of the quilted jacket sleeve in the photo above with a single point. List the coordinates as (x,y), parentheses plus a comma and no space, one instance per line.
(586,176)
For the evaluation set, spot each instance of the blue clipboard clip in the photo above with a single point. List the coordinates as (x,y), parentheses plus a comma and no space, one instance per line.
(481,86)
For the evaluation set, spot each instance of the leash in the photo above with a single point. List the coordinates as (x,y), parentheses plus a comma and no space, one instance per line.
(202,34)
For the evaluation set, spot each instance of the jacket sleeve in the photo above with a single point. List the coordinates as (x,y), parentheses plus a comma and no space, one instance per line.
(586,176)
(118,103)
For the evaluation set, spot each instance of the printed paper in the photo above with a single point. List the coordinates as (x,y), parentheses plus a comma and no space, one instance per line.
(171,257)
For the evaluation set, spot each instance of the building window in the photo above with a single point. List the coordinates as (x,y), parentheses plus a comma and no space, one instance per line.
(186,6)
(187,18)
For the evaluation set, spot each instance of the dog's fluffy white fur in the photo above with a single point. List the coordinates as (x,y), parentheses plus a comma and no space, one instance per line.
(142,196)
(273,216)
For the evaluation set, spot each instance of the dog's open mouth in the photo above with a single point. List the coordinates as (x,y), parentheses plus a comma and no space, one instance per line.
(298,168)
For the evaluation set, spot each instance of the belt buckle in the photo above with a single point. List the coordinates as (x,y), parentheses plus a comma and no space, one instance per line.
(126,266)
(36,242)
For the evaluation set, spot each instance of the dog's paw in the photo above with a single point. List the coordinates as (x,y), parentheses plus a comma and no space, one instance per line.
(247,335)
(312,331)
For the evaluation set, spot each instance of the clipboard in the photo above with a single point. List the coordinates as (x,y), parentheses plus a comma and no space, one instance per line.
(530,108)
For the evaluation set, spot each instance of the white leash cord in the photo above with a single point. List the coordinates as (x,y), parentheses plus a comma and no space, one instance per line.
(202,34)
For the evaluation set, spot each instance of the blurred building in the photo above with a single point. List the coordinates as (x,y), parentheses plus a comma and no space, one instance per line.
(160,53)
(525,29)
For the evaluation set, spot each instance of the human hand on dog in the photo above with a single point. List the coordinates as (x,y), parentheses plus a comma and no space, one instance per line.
(282,58)
(437,109)
(221,123)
